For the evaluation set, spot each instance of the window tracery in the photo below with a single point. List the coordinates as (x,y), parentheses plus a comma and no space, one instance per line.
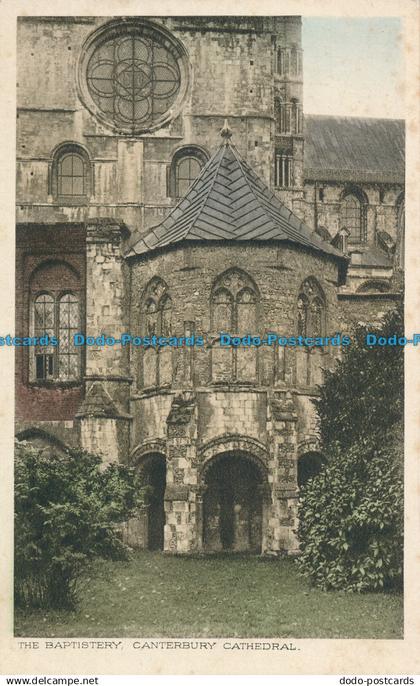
(157,318)
(71,174)
(234,303)
(353,215)
(132,74)
(311,309)
(56,316)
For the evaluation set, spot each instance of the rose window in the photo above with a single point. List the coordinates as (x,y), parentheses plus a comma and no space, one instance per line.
(133,77)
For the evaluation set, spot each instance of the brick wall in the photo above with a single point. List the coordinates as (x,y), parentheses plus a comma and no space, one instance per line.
(37,245)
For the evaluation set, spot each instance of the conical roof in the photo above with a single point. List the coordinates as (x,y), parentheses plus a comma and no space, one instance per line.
(228,201)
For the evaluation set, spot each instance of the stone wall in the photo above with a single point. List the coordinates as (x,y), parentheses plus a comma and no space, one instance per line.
(258,419)
(129,176)
(383,203)
(189,273)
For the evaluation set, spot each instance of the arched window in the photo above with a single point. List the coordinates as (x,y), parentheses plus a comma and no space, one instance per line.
(222,304)
(57,317)
(185,167)
(71,174)
(311,309)
(44,325)
(68,326)
(234,303)
(55,313)
(156,318)
(311,322)
(353,217)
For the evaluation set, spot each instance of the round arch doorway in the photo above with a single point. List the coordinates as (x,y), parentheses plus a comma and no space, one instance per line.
(233,504)
(153,473)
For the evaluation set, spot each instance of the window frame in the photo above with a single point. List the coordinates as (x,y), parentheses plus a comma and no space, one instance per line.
(157,294)
(54,353)
(55,189)
(283,168)
(125,28)
(245,284)
(318,296)
(186,152)
(362,201)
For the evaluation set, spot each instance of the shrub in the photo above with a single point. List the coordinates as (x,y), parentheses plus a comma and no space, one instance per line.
(68,511)
(351,513)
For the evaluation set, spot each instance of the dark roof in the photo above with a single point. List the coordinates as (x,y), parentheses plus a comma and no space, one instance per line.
(229,202)
(372,256)
(98,403)
(353,149)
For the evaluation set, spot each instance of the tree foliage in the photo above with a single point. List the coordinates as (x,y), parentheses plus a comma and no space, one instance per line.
(351,513)
(68,511)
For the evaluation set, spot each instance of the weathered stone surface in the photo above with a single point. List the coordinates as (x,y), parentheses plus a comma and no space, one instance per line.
(189,408)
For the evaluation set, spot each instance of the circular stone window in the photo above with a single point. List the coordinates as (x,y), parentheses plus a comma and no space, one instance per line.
(133,76)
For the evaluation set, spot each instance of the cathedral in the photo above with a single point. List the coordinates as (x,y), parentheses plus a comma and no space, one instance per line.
(170,184)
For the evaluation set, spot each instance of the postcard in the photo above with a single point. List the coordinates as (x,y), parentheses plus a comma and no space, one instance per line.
(209,339)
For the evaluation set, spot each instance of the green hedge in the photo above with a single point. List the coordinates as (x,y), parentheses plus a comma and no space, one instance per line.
(351,513)
(68,511)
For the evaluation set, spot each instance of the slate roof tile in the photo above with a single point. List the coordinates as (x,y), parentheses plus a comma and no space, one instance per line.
(228,201)
(354,149)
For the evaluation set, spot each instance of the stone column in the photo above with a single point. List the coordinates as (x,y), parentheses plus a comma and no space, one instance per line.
(285,487)
(104,416)
(181,476)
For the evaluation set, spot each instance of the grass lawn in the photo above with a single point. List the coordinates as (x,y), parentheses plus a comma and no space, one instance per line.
(158,595)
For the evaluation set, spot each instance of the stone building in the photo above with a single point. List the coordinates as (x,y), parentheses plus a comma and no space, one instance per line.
(134,215)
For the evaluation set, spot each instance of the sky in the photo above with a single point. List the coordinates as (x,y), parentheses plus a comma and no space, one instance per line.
(353,67)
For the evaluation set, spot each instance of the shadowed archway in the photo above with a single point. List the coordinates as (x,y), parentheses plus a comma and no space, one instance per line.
(233,504)
(309,465)
(153,473)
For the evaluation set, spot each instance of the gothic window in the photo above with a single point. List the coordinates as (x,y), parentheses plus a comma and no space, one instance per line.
(55,311)
(353,217)
(165,312)
(222,310)
(311,309)
(44,325)
(151,316)
(246,311)
(132,75)
(185,167)
(70,174)
(68,326)
(316,315)
(311,322)
(156,317)
(302,311)
(234,303)
(56,316)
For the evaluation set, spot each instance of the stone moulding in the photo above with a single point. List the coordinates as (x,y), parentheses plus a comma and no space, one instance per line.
(154,446)
(255,451)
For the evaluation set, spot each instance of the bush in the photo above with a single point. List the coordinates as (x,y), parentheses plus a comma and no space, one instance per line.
(68,511)
(351,513)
